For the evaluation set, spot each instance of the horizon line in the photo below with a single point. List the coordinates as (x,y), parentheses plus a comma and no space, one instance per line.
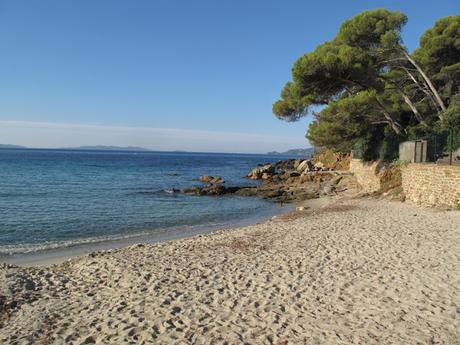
(116,148)
(60,135)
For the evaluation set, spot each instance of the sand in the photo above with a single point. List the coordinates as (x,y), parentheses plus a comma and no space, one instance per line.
(360,271)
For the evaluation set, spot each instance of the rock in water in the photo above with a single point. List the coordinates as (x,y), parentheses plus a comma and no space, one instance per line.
(205,178)
(217,180)
(211,179)
(210,190)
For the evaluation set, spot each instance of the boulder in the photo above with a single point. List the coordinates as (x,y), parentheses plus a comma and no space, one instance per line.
(296,163)
(217,180)
(205,178)
(210,190)
(305,165)
(265,176)
(289,174)
(268,168)
(301,208)
(327,188)
(253,174)
(211,179)
(319,166)
(259,171)
(287,164)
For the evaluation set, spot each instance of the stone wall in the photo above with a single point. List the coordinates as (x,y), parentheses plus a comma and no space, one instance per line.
(422,183)
(431,185)
(368,174)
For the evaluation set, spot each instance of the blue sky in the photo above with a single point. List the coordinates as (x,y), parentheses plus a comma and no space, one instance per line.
(78,72)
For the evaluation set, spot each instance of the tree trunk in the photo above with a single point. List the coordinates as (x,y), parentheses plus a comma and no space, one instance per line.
(395,125)
(411,106)
(424,90)
(425,77)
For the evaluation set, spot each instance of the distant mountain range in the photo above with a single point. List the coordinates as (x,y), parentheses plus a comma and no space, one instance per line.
(294,152)
(7,146)
(84,148)
(106,148)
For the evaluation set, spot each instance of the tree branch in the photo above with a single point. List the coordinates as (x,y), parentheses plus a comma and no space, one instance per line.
(425,77)
(396,126)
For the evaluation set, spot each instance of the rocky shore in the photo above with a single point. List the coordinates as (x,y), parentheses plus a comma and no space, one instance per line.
(286,181)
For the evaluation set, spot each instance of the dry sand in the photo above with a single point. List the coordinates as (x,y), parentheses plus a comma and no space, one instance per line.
(360,271)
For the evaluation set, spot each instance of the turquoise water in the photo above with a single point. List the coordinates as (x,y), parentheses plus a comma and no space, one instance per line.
(57,198)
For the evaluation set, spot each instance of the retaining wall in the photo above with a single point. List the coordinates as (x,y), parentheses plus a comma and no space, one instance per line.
(368,174)
(423,183)
(431,184)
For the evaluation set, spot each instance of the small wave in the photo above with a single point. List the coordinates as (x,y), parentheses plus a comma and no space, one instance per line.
(171,191)
(144,235)
(31,248)
(146,192)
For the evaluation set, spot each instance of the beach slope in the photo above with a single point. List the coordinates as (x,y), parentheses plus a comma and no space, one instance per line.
(359,271)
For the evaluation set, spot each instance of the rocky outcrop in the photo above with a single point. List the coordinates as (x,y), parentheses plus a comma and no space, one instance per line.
(285,169)
(261,172)
(332,160)
(288,164)
(211,179)
(208,190)
(305,165)
(285,181)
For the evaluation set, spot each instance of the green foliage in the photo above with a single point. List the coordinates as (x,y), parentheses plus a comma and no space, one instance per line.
(439,54)
(380,143)
(322,76)
(344,120)
(451,117)
(343,66)
(376,94)
(330,69)
(440,45)
(371,29)
(291,106)
(389,145)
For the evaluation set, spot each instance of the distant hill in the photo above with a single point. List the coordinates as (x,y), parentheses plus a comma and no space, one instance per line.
(106,148)
(8,146)
(294,152)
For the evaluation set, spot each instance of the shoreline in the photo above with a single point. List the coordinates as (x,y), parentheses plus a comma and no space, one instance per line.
(286,183)
(352,270)
(54,256)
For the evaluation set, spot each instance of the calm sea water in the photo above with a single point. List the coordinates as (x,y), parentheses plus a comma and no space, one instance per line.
(54,199)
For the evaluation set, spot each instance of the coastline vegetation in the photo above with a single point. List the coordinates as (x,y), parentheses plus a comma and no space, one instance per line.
(373,93)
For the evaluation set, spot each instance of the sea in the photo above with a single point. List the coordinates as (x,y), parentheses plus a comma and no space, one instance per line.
(65,199)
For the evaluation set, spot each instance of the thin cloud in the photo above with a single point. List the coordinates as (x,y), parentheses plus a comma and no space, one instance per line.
(52,134)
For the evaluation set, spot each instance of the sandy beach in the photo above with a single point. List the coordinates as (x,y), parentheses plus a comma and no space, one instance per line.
(357,271)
